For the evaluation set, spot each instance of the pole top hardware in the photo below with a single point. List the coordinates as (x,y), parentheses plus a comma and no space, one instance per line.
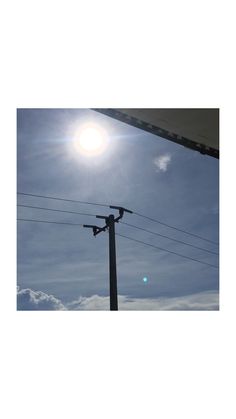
(121,212)
(96,229)
(121,209)
(104,217)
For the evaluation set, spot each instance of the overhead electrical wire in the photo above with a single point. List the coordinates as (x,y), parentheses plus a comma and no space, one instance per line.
(170,238)
(57,210)
(107,206)
(175,228)
(122,222)
(49,222)
(165,250)
(62,199)
(121,235)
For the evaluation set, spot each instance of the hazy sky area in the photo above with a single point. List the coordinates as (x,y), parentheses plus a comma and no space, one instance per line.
(65,267)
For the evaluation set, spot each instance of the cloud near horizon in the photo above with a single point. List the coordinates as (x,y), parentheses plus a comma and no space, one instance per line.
(162,162)
(28,299)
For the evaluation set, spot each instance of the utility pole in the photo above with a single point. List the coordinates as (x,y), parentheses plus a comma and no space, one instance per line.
(110,226)
(112,263)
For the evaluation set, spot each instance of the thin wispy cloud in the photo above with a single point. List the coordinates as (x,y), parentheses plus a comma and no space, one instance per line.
(162,162)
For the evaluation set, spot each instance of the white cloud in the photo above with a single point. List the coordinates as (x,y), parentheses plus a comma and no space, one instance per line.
(162,162)
(201,301)
(95,302)
(28,299)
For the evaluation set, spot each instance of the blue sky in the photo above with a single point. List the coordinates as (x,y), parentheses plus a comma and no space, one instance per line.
(63,267)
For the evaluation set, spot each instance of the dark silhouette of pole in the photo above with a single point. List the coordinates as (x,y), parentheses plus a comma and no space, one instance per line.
(112,263)
(110,225)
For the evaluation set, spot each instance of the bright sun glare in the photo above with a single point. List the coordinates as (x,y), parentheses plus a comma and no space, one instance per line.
(90,140)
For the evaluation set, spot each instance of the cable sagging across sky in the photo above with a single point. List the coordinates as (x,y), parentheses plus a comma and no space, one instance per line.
(108,206)
(121,235)
(170,238)
(165,250)
(57,210)
(175,228)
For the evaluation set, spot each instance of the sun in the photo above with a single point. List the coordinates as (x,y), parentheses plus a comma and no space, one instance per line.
(90,140)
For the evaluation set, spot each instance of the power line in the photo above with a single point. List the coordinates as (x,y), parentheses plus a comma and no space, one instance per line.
(49,222)
(175,228)
(106,205)
(165,250)
(170,238)
(121,235)
(62,199)
(57,210)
